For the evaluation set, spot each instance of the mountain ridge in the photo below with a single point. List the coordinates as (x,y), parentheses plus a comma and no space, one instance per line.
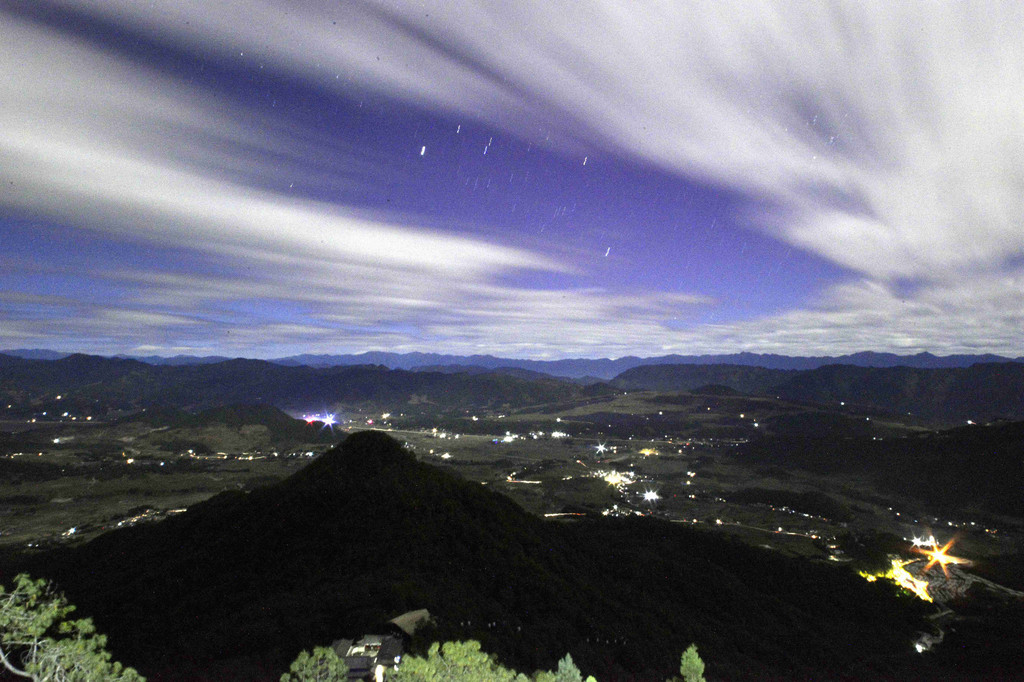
(85,381)
(574,368)
(980,392)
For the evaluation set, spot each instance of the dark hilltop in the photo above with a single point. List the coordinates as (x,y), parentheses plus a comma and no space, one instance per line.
(236,586)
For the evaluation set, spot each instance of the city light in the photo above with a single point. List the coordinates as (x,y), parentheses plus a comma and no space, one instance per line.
(938,555)
(328,420)
(899,574)
(924,542)
(651,496)
(615,478)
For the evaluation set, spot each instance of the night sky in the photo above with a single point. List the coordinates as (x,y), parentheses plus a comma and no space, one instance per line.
(529,179)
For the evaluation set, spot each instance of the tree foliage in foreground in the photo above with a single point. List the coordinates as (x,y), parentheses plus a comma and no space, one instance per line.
(454,662)
(566,672)
(38,642)
(323,665)
(465,662)
(691,667)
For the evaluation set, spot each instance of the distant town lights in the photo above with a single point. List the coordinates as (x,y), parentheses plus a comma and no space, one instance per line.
(924,542)
(616,478)
(328,420)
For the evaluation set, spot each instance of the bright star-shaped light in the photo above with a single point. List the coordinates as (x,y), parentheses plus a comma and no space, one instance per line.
(939,555)
(601,448)
(651,496)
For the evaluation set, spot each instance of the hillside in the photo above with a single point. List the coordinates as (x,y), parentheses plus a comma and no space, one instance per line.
(279,423)
(970,469)
(745,379)
(366,532)
(979,392)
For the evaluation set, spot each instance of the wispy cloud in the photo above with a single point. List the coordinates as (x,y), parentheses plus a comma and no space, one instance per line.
(887,134)
(883,137)
(89,138)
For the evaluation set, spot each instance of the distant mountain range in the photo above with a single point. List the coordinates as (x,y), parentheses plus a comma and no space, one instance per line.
(598,369)
(95,384)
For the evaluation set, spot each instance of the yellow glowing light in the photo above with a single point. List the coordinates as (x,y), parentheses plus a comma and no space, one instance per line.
(909,582)
(898,574)
(615,478)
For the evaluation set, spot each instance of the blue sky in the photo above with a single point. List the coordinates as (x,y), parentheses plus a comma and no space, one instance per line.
(550,179)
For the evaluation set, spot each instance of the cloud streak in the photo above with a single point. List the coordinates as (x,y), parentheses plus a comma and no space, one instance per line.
(882,137)
(102,152)
(886,133)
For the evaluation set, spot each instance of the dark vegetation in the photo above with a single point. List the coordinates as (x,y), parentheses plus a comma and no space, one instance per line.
(745,379)
(365,532)
(281,428)
(962,470)
(983,644)
(980,392)
(28,471)
(809,502)
(816,424)
(162,429)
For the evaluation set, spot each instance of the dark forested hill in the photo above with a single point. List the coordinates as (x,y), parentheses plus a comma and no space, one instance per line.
(366,532)
(979,392)
(280,428)
(744,379)
(970,469)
